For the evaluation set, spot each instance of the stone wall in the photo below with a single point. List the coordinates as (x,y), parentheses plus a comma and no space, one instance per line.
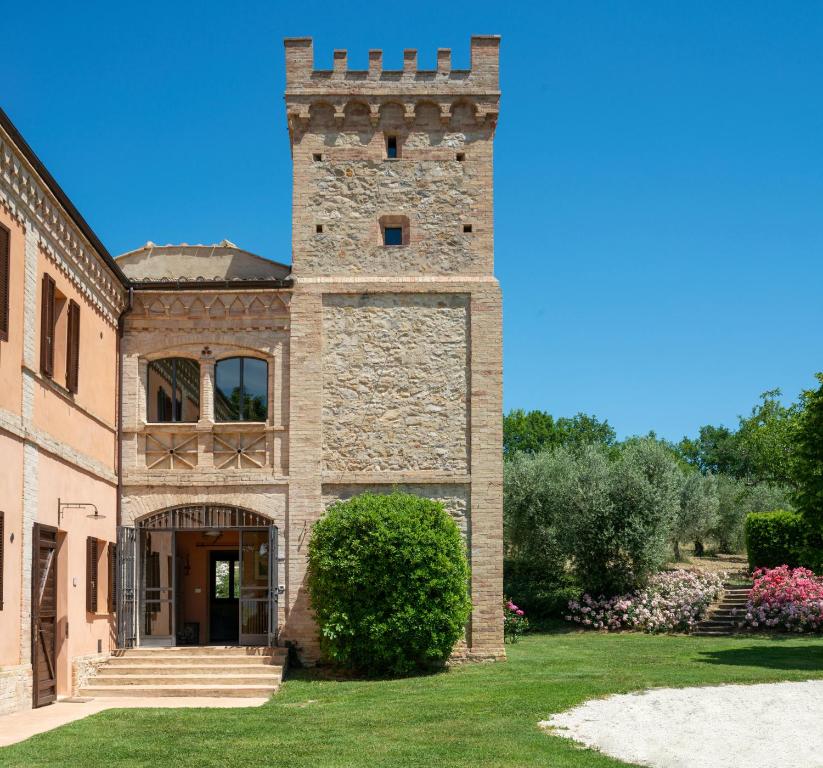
(15,688)
(455,498)
(395,382)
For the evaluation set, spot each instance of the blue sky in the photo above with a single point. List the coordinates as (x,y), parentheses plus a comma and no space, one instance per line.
(659,171)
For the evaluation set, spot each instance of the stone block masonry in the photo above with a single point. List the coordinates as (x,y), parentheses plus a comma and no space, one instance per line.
(407,391)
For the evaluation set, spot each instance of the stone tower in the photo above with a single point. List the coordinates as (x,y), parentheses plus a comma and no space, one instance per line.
(395,317)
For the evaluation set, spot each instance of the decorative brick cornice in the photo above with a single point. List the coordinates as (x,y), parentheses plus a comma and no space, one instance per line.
(26,198)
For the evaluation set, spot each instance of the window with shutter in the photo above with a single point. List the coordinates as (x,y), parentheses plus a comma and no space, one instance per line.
(91,575)
(112,577)
(2,551)
(47,327)
(5,277)
(73,347)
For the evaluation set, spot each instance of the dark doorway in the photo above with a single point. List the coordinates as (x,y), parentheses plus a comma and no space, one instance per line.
(224,597)
(44,615)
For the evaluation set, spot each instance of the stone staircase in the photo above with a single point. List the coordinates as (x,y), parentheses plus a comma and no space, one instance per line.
(725,617)
(189,671)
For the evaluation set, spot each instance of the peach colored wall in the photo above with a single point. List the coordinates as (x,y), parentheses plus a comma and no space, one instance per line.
(58,479)
(11,351)
(194,606)
(11,502)
(56,412)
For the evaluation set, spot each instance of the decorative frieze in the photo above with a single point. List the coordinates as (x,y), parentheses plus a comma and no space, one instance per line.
(27,198)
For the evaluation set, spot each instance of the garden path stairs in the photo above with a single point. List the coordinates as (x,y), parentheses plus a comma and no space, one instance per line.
(231,671)
(725,617)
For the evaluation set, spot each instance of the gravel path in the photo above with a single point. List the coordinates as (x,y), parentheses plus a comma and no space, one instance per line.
(776,725)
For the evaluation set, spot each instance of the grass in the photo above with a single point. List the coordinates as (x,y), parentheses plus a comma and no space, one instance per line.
(472,716)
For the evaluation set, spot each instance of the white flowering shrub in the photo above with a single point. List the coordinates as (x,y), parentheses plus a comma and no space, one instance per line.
(673,601)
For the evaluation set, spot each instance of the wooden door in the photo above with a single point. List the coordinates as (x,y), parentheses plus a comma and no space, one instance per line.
(44,615)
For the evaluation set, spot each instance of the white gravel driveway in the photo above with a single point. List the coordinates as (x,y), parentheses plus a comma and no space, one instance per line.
(775,725)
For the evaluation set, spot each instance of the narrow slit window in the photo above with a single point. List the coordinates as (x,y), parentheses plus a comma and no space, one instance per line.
(391,146)
(393,236)
(461,156)
(318,228)
(467,228)
(317,157)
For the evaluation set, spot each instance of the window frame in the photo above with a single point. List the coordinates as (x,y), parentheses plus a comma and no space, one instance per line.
(5,282)
(241,387)
(150,394)
(92,573)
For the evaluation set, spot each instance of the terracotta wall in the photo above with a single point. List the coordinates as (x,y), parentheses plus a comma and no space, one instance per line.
(11,503)
(11,351)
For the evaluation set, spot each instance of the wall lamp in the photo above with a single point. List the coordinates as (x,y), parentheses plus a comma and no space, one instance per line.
(62,505)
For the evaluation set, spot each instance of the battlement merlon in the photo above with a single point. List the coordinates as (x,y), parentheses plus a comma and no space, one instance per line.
(482,79)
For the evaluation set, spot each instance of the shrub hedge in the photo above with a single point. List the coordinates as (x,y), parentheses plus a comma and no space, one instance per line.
(775,538)
(388,581)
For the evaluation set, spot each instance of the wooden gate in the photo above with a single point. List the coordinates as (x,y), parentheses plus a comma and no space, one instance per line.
(44,614)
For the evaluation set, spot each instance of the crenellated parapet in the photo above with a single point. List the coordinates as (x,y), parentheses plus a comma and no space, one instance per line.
(350,97)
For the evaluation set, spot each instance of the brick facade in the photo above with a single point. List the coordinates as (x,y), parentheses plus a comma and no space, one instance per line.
(384,364)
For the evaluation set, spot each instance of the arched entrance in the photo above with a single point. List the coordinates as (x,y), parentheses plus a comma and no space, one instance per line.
(201,574)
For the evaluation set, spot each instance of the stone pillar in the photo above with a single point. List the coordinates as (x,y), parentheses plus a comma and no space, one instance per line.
(205,427)
(305,465)
(486,419)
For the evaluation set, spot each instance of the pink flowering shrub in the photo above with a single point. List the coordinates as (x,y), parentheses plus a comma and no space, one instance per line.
(515,622)
(785,598)
(672,601)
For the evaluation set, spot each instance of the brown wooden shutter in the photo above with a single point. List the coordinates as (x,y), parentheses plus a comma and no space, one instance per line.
(91,575)
(112,577)
(2,552)
(47,327)
(5,277)
(73,347)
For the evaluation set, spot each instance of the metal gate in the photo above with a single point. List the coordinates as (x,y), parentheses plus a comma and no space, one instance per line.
(258,586)
(126,558)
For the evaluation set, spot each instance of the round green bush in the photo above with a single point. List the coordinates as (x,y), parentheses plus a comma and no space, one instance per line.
(388,582)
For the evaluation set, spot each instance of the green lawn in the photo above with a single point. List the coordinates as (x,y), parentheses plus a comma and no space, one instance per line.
(477,715)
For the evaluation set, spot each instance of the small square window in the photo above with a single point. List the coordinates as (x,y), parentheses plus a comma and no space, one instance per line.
(393,236)
(467,228)
(318,228)
(317,157)
(460,156)
(391,146)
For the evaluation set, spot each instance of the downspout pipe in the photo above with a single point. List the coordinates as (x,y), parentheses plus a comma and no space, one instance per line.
(120,330)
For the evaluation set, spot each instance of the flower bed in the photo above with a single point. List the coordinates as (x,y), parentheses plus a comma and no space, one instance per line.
(785,598)
(673,601)
(515,622)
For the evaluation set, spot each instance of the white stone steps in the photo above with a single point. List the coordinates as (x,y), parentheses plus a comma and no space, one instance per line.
(158,661)
(272,678)
(189,671)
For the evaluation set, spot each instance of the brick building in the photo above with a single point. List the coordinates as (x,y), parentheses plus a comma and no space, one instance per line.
(246,394)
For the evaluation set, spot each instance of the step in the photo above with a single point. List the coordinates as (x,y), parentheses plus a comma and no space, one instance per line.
(162,661)
(120,668)
(204,650)
(272,679)
(710,624)
(236,691)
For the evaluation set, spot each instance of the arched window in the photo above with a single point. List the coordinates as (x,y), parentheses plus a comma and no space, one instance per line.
(241,389)
(173,390)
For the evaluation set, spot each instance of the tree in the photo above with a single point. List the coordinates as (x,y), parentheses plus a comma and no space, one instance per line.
(808,466)
(697,515)
(537,430)
(715,451)
(620,515)
(528,432)
(766,441)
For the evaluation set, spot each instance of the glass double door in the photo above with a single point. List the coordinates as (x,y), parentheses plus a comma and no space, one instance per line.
(240,586)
